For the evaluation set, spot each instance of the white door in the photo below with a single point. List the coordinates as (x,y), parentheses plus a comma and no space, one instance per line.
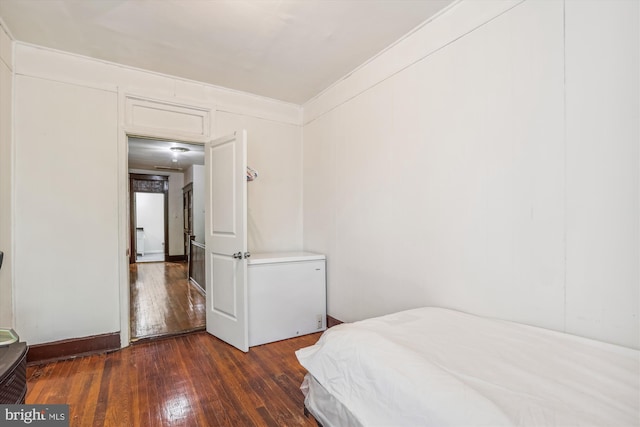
(226,239)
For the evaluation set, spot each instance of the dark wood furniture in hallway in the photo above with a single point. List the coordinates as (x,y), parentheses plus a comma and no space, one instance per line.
(163,300)
(187,380)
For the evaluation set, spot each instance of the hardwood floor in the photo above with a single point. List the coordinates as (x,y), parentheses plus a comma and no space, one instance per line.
(187,380)
(163,300)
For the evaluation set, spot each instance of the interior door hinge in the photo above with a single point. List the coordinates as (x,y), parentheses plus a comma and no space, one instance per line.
(240,255)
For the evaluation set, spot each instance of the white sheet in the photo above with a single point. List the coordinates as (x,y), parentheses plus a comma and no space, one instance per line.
(438,367)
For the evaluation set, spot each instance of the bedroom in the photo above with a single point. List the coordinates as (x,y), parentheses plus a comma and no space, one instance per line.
(488,162)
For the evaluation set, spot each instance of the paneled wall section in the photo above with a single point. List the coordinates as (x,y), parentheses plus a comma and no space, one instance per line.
(495,173)
(69,182)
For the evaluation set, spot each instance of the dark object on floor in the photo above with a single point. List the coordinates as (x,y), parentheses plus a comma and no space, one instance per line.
(13,373)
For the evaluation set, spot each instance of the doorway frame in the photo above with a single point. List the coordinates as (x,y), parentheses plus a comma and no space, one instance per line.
(149,117)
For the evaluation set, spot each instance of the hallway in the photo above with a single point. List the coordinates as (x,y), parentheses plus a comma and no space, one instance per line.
(163,300)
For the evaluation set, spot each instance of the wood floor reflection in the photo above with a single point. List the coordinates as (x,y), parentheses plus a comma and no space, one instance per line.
(187,380)
(163,300)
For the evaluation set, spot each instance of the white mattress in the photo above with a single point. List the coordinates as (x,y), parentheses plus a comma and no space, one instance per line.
(438,367)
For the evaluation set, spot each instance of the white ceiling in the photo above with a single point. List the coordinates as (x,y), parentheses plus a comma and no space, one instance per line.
(284,49)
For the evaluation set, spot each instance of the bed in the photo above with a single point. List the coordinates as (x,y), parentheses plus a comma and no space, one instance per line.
(439,367)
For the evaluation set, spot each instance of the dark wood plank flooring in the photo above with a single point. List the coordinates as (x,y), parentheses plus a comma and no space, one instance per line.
(163,301)
(186,380)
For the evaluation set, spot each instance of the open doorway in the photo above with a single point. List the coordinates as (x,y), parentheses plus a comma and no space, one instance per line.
(150,226)
(163,297)
(149,222)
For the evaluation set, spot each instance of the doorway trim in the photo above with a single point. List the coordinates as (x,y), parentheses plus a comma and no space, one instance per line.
(150,117)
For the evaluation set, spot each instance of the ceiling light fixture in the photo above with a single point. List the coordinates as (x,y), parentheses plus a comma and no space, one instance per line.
(179,149)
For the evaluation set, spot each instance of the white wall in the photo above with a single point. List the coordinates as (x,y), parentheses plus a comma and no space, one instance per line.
(64,187)
(6,167)
(274,200)
(454,169)
(150,217)
(66,210)
(603,134)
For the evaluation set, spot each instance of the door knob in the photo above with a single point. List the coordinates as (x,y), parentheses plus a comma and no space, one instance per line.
(247,254)
(238,255)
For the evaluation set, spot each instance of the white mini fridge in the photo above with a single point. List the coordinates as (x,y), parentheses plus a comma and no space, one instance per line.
(287,295)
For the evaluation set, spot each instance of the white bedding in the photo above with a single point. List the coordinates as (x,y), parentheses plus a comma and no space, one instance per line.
(438,367)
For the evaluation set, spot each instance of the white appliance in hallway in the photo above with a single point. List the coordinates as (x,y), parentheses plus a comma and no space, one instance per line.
(286,295)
